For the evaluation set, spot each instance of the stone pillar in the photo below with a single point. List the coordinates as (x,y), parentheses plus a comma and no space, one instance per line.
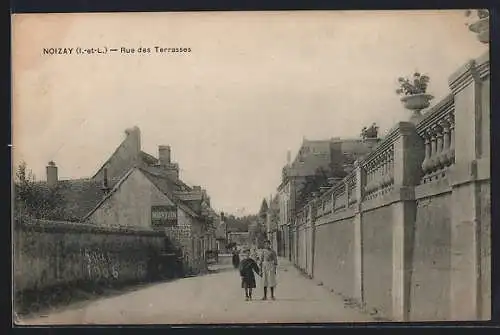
(313,236)
(358,233)
(470,244)
(296,241)
(409,152)
(288,238)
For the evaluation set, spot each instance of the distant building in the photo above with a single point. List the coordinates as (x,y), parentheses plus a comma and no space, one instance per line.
(238,237)
(273,217)
(336,155)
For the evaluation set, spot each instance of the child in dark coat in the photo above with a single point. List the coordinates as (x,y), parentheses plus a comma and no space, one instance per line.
(247,268)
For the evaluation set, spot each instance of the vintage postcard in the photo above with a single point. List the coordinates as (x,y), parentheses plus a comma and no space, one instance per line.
(251,167)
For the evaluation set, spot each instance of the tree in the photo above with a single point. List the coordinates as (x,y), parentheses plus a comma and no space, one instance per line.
(263,209)
(33,199)
(239,224)
(274,212)
(315,182)
(257,233)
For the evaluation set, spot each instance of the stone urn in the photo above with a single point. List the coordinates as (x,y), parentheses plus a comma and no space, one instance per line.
(482,29)
(416,103)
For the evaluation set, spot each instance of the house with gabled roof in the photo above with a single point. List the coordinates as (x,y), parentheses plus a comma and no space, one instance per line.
(135,189)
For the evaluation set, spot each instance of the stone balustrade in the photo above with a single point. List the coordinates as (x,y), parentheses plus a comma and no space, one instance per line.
(303,216)
(325,203)
(351,181)
(339,196)
(437,130)
(379,169)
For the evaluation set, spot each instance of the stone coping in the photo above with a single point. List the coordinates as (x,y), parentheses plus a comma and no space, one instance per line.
(472,70)
(75,227)
(464,173)
(433,189)
(335,217)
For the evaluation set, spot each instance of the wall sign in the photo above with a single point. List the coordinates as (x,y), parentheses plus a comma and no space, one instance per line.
(165,216)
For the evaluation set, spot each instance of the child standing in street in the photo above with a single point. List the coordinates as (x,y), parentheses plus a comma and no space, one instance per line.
(247,268)
(268,268)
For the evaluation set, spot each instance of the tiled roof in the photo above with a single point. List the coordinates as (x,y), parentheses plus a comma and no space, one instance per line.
(148,159)
(355,147)
(176,189)
(189,196)
(174,185)
(167,186)
(320,153)
(79,197)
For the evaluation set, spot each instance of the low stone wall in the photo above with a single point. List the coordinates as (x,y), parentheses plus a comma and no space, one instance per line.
(48,253)
(334,257)
(377,255)
(431,262)
(225,259)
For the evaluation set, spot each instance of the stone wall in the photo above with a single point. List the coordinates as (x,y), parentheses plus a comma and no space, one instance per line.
(48,253)
(189,235)
(377,260)
(485,248)
(333,256)
(407,233)
(430,279)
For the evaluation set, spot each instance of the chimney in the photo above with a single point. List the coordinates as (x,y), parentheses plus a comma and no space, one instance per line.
(164,154)
(173,170)
(51,174)
(165,161)
(134,138)
(288,157)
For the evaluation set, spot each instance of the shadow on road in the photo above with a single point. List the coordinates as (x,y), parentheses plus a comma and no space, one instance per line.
(75,297)
(290,299)
(221,268)
(72,297)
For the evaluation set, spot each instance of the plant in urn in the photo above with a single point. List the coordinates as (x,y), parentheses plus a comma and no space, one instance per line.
(482,24)
(414,96)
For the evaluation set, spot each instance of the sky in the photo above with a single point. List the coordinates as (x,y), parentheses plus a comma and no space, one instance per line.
(252,87)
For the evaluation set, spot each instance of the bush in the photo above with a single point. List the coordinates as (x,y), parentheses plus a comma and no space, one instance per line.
(33,199)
